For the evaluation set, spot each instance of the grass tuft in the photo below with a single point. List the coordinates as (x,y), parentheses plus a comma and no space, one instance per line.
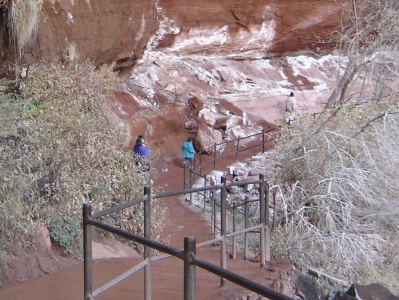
(22,22)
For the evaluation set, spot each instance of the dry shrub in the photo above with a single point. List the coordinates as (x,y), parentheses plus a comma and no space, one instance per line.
(339,211)
(69,153)
(22,21)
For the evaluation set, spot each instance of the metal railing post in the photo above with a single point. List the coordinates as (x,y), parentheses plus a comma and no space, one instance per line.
(184,177)
(262,219)
(267,222)
(263,141)
(214,156)
(234,230)
(213,218)
(223,249)
(189,269)
(246,207)
(205,196)
(200,164)
(147,250)
(191,183)
(238,144)
(87,252)
(192,173)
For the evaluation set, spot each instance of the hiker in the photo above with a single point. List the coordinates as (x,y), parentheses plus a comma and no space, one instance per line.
(290,106)
(188,151)
(141,154)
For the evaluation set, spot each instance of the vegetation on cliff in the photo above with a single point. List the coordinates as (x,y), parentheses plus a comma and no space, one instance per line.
(22,21)
(340,216)
(59,150)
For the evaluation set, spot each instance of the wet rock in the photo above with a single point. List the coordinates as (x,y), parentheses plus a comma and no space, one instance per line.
(210,118)
(373,291)
(195,105)
(207,137)
(306,288)
(235,189)
(254,172)
(191,125)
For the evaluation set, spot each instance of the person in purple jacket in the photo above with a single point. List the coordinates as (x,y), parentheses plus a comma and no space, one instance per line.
(141,154)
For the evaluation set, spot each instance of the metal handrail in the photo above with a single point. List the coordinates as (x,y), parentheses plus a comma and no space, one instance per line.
(188,254)
(237,279)
(196,171)
(237,140)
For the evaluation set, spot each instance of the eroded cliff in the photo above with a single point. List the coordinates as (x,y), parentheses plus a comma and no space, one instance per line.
(118,32)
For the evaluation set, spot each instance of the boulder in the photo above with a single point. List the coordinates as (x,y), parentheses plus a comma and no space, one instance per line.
(373,291)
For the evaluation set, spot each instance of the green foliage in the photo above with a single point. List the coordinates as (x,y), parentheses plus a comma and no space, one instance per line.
(2,262)
(5,257)
(108,221)
(66,233)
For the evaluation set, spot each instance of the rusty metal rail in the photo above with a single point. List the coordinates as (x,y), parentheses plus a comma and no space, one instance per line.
(187,254)
(199,161)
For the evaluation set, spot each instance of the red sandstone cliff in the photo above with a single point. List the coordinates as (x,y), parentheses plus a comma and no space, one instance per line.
(118,32)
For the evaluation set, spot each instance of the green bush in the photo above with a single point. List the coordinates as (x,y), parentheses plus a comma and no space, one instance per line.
(66,233)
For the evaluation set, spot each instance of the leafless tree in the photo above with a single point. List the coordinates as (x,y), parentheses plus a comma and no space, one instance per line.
(369,41)
(339,209)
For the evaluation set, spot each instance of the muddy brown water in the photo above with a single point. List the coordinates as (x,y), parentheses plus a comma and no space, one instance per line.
(167,280)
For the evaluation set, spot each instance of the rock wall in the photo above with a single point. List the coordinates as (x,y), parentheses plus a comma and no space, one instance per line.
(118,32)
(222,52)
(267,27)
(103,31)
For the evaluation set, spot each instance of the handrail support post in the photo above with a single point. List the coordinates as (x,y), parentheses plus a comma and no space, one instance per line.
(147,250)
(87,252)
(262,219)
(189,269)
(223,220)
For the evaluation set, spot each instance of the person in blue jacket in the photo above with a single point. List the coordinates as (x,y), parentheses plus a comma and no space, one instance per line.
(188,151)
(141,154)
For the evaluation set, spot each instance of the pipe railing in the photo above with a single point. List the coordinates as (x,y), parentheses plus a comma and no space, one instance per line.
(91,219)
(195,170)
(264,213)
(239,143)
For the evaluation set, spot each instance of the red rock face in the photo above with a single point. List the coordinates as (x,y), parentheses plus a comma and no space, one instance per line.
(103,31)
(225,26)
(215,51)
(117,33)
